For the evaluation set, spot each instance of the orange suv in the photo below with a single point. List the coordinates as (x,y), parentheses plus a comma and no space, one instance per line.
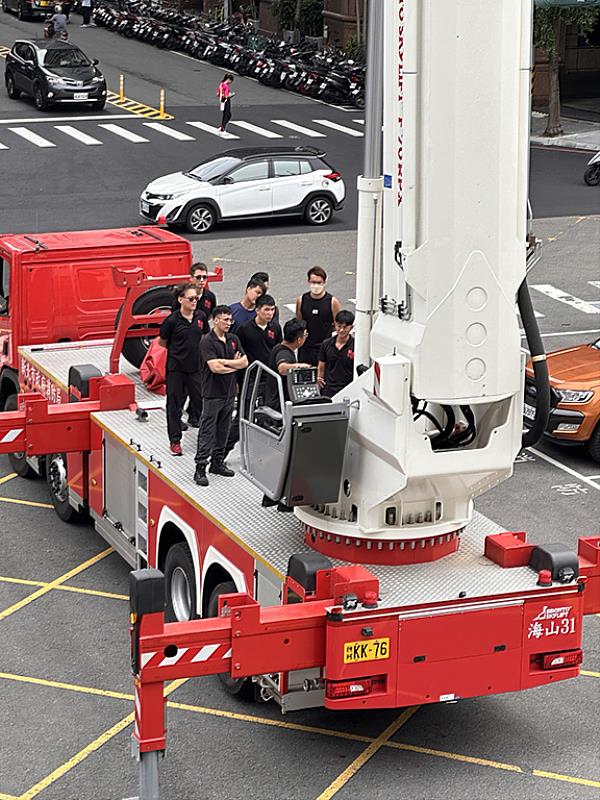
(575,396)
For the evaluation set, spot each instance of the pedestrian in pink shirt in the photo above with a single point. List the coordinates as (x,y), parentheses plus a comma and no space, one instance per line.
(225,94)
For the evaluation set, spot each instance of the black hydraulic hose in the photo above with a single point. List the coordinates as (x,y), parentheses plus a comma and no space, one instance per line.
(540,367)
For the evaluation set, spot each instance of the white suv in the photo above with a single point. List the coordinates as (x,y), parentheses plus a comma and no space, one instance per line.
(244,184)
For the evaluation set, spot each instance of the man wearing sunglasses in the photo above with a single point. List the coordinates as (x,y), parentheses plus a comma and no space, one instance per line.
(180,333)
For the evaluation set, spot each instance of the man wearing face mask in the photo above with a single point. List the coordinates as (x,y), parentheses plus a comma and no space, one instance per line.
(318,309)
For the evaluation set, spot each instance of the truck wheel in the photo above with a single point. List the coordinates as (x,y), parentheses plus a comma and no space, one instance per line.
(593,444)
(158,299)
(237,687)
(58,486)
(180,584)
(17,460)
(592,175)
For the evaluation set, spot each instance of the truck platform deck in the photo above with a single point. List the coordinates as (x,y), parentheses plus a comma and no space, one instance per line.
(234,504)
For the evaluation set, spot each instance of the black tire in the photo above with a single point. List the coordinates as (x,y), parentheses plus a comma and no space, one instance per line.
(201,218)
(180,584)
(11,89)
(243,688)
(18,461)
(359,101)
(57,480)
(158,299)
(318,211)
(593,444)
(99,105)
(39,98)
(4,7)
(21,12)
(592,175)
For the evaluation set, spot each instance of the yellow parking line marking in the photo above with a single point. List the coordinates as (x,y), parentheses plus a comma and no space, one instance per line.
(273,723)
(9,477)
(71,687)
(428,751)
(89,749)
(76,589)
(367,754)
(7,796)
(139,109)
(590,674)
(485,762)
(78,758)
(21,581)
(556,776)
(31,503)
(374,744)
(53,584)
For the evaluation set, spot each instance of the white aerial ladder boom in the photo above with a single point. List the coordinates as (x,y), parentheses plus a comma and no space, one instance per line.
(445,345)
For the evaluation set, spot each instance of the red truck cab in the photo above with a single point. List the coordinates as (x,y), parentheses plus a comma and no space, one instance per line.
(58,287)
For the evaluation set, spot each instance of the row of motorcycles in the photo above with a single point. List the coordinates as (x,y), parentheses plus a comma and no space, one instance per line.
(328,75)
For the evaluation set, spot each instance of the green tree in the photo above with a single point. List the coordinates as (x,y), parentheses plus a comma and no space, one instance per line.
(301,15)
(550,25)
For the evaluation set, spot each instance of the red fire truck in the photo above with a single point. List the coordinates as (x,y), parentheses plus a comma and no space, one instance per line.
(384,587)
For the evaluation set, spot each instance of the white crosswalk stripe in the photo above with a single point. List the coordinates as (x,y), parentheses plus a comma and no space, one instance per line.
(211,129)
(123,133)
(595,284)
(327,123)
(299,129)
(172,132)
(3,146)
(75,133)
(248,126)
(359,121)
(32,137)
(563,297)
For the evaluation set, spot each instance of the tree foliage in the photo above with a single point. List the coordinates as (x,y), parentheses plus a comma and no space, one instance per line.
(306,15)
(549,29)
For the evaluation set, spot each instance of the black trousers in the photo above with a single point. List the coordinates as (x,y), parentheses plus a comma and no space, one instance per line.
(179,386)
(86,13)
(226,114)
(214,430)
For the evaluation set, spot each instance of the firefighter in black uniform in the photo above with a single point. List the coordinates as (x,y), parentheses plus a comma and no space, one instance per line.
(181,333)
(318,309)
(335,368)
(221,356)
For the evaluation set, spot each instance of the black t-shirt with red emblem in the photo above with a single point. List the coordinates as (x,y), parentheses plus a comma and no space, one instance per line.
(183,340)
(214,386)
(339,365)
(259,342)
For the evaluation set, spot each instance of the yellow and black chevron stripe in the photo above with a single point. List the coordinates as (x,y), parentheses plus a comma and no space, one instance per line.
(4,51)
(134,107)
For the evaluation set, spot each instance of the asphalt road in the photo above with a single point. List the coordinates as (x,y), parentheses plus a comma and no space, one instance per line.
(64,663)
(65,183)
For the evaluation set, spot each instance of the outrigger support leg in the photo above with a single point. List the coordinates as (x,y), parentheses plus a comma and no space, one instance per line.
(149,788)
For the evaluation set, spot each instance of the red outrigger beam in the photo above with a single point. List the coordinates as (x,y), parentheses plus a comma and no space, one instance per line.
(39,427)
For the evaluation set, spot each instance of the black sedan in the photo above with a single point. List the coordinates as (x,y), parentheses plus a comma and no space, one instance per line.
(24,9)
(53,72)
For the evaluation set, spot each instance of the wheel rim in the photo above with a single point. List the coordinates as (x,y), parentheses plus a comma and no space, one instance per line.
(594,175)
(9,85)
(39,99)
(156,310)
(181,595)
(57,477)
(319,212)
(201,219)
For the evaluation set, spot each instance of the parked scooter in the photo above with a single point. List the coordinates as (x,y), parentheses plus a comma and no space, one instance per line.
(592,174)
